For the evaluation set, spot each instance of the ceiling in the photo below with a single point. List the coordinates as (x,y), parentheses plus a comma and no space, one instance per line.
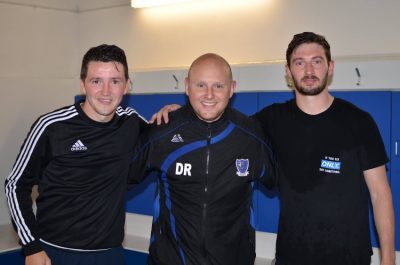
(68,5)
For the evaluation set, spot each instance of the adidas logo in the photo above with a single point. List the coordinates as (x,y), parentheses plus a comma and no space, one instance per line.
(177,138)
(78,146)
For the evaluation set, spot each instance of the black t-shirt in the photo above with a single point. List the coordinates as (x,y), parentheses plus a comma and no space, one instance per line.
(324,197)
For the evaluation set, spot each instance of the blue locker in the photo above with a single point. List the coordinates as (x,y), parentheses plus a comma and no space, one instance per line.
(395,162)
(246,102)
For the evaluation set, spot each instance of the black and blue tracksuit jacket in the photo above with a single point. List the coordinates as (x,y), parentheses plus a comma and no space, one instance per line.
(206,171)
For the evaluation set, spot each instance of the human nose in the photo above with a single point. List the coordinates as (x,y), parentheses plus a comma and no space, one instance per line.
(309,68)
(210,92)
(106,89)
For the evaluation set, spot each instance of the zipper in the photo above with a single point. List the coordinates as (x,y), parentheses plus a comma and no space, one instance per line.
(203,233)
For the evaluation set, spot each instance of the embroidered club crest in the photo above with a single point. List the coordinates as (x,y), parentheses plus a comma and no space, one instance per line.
(242,166)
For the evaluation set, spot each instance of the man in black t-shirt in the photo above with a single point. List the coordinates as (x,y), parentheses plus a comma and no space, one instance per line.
(331,155)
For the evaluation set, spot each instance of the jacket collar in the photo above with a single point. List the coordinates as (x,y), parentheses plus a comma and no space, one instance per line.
(191,115)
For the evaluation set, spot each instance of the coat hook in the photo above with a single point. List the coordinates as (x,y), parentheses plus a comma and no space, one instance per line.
(359,76)
(177,81)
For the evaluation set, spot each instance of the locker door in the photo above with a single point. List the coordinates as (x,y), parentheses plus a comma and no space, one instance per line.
(395,162)
(246,102)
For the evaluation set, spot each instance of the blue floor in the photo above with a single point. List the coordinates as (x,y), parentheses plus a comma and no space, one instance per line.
(16,258)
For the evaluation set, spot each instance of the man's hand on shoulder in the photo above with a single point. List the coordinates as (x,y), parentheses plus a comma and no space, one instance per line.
(162,114)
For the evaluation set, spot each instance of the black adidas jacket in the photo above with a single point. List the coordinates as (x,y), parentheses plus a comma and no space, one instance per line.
(203,207)
(81,168)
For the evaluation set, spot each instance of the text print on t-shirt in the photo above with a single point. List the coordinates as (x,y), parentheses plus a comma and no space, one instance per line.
(330,165)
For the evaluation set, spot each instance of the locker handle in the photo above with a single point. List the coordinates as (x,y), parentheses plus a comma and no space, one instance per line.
(396,149)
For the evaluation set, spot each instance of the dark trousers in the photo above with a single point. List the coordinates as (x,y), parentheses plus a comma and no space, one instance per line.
(280,263)
(113,256)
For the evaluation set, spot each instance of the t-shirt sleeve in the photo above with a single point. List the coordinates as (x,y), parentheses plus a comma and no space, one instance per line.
(265,119)
(372,150)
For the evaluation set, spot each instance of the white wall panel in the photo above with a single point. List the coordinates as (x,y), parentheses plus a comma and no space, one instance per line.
(38,73)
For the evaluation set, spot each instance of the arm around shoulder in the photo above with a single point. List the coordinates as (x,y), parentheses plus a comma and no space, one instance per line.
(162,114)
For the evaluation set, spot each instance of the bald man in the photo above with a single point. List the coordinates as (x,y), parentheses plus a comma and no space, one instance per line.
(207,159)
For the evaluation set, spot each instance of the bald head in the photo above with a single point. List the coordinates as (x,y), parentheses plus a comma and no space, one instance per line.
(214,58)
(209,86)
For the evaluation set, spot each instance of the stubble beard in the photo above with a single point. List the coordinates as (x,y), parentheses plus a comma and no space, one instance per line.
(305,91)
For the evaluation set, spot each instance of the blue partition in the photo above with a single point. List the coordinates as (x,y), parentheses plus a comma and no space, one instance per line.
(245,102)
(395,162)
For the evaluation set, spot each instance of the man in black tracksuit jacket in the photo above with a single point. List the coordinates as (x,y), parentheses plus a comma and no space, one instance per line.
(207,163)
(78,156)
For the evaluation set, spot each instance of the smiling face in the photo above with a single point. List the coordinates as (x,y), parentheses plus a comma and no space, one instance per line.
(309,69)
(104,86)
(209,87)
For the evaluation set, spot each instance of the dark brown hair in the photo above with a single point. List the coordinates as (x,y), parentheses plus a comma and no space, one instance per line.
(307,37)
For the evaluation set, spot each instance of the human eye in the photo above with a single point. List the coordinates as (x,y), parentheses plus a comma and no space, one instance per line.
(317,62)
(116,81)
(95,81)
(299,63)
(219,86)
(201,85)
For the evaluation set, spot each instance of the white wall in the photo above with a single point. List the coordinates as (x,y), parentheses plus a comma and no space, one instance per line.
(375,74)
(38,51)
(253,36)
(242,31)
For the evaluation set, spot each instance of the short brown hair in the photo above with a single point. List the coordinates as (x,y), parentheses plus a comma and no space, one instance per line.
(308,37)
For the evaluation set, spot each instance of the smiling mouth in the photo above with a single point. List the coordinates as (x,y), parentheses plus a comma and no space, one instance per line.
(105,101)
(209,104)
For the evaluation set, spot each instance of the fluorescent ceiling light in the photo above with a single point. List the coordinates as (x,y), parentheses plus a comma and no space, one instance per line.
(152,3)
